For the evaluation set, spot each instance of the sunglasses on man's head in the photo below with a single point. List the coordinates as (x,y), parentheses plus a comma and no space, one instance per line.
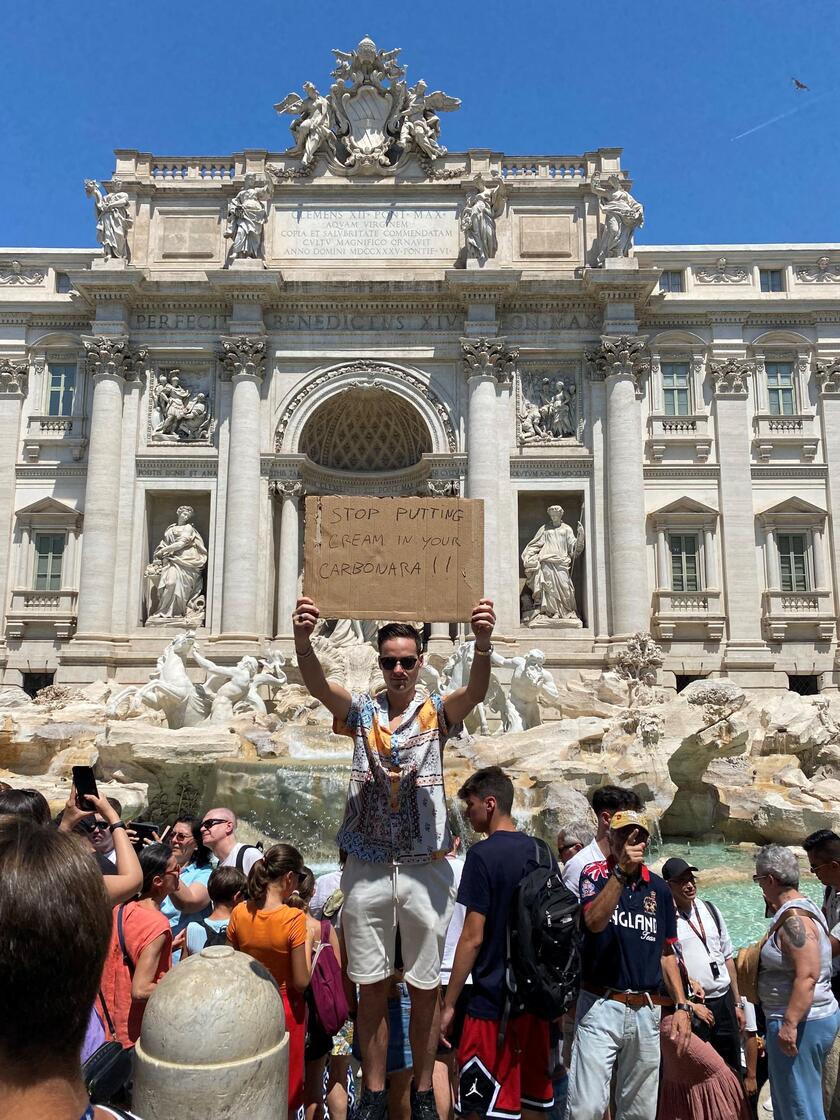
(390,663)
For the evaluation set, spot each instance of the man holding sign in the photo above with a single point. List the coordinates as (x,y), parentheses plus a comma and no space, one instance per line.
(396,834)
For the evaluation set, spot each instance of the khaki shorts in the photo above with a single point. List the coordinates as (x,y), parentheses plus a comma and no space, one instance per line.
(378,897)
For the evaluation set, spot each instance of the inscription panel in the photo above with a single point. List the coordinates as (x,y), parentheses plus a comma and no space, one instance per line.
(394,232)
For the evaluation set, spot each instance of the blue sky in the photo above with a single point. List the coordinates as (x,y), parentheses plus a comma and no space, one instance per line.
(671,83)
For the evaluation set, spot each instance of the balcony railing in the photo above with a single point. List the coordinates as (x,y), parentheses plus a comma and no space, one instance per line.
(53,432)
(772,432)
(798,613)
(33,607)
(684,611)
(686,433)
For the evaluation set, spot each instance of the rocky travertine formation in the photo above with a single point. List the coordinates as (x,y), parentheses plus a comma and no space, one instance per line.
(712,760)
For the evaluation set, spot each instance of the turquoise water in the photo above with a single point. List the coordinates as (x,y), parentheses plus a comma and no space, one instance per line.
(725,878)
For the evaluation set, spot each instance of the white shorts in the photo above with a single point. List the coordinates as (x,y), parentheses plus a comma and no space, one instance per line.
(380,896)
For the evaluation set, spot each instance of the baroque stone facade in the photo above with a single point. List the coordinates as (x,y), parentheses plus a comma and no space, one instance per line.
(367,312)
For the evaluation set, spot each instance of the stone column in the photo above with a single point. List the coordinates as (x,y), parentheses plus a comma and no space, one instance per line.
(13,384)
(488,363)
(110,364)
(827,372)
(745,648)
(709,565)
(621,362)
(243,361)
(289,493)
(662,574)
(819,559)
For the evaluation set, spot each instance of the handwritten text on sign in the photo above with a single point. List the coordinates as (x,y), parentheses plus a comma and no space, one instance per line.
(399,559)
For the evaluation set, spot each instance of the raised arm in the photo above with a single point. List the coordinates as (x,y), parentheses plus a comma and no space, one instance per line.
(211,666)
(460,702)
(335,699)
(129,877)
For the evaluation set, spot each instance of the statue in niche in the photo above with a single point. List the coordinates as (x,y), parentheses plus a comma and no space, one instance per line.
(312,129)
(421,126)
(622,216)
(549,559)
(478,218)
(177,414)
(175,577)
(531,683)
(548,410)
(113,220)
(247,214)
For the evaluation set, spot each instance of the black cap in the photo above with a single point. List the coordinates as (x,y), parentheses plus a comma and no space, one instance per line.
(674,867)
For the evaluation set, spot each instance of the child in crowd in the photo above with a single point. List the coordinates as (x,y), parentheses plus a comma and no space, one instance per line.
(226,888)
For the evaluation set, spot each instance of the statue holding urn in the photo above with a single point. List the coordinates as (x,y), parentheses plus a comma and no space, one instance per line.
(549,559)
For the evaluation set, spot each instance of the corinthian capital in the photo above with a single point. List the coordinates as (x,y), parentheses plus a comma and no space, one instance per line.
(489,357)
(286,488)
(112,355)
(621,356)
(243,353)
(730,378)
(13,374)
(827,371)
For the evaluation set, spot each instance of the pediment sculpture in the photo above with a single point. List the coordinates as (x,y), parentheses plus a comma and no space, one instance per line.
(370,118)
(178,414)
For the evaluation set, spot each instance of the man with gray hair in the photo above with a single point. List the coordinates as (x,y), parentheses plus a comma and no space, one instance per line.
(574,838)
(218,831)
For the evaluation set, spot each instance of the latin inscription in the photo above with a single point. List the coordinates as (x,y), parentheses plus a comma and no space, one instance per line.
(360,321)
(366,232)
(177,321)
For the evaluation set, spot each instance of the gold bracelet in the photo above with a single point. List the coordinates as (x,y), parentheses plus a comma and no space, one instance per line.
(484,652)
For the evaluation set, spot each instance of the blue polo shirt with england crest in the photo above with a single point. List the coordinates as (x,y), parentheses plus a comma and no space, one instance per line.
(626,955)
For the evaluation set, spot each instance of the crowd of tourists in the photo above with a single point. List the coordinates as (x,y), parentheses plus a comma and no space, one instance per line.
(418,983)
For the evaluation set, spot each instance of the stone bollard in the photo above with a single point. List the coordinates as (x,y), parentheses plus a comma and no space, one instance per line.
(213,1043)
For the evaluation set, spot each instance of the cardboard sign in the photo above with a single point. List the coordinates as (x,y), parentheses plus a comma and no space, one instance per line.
(400,559)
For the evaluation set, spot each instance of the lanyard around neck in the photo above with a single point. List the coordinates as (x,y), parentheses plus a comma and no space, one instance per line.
(701,932)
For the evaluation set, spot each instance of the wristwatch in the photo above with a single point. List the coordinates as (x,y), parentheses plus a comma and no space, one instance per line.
(682,1007)
(116,824)
(619,874)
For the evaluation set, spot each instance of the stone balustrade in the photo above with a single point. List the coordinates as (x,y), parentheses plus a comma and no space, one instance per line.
(801,614)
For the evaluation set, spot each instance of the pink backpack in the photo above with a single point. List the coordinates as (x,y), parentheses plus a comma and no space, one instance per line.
(326,985)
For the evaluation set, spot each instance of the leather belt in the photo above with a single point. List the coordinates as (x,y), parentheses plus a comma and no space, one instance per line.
(629,999)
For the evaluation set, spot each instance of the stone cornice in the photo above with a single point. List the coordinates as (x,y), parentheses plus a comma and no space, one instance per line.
(482,286)
(119,285)
(625,285)
(730,376)
(489,357)
(245,285)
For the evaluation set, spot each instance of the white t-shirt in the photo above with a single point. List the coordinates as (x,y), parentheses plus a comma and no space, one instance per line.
(325,885)
(252,856)
(456,924)
(699,957)
(572,870)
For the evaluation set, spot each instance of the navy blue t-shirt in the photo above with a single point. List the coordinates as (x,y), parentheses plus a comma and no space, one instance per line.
(492,871)
(626,955)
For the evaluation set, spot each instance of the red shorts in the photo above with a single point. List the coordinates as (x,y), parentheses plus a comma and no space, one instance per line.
(499,1082)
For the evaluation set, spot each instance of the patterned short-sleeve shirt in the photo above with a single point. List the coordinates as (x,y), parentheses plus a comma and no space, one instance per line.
(396,803)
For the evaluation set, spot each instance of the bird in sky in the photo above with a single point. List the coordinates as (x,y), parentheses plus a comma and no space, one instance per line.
(799,85)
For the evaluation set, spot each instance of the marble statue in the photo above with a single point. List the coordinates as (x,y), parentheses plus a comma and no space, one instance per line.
(478,218)
(548,410)
(455,674)
(312,128)
(113,220)
(420,127)
(177,414)
(367,65)
(227,686)
(247,214)
(622,215)
(170,690)
(175,577)
(548,560)
(531,683)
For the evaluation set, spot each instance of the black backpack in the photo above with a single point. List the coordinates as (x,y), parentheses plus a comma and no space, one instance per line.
(214,936)
(543,942)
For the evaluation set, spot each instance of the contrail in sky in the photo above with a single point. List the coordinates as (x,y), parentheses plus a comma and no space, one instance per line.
(789,113)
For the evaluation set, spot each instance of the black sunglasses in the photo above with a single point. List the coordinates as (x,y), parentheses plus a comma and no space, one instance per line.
(391,663)
(95,826)
(205,826)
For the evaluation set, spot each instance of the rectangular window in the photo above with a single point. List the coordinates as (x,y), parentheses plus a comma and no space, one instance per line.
(793,561)
(49,553)
(62,283)
(676,388)
(771,279)
(62,389)
(671,280)
(685,562)
(780,393)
